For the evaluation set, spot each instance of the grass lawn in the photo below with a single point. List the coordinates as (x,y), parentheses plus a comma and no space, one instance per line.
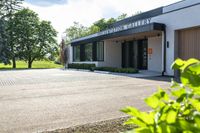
(35,65)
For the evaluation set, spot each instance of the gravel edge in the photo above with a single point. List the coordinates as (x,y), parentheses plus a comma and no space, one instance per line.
(108,126)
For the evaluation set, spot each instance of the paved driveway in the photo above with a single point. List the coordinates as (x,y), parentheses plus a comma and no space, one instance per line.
(39,100)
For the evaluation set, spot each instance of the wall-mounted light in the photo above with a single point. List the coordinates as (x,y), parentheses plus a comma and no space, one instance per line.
(167,44)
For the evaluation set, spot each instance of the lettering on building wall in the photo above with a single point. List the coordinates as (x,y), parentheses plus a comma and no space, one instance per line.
(126,26)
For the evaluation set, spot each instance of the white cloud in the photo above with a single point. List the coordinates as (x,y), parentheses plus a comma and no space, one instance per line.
(88,11)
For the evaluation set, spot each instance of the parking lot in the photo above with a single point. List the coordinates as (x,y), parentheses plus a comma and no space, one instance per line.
(48,99)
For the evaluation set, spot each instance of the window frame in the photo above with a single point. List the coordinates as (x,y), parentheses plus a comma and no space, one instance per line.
(74,54)
(102,51)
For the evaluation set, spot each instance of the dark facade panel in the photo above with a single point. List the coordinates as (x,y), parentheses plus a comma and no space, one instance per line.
(140,29)
(148,14)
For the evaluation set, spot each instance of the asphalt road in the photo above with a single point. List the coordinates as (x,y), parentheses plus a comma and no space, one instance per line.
(43,100)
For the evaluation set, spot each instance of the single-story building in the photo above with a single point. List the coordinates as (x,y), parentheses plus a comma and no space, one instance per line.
(148,41)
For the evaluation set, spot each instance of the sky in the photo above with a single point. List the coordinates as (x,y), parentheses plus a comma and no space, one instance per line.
(62,13)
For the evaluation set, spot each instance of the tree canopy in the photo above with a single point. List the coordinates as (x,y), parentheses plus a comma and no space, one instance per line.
(36,38)
(7,9)
(78,30)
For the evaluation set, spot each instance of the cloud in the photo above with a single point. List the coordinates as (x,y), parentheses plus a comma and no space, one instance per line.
(62,15)
(46,2)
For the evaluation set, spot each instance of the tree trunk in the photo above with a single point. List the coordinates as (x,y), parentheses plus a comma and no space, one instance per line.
(29,64)
(13,62)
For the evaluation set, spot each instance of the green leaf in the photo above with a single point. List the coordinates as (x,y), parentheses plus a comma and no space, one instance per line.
(161,94)
(184,125)
(131,111)
(187,132)
(147,118)
(135,121)
(181,98)
(152,101)
(172,129)
(187,112)
(197,120)
(143,130)
(189,63)
(195,68)
(171,117)
(178,63)
(196,104)
(178,92)
(190,79)
(196,91)
(176,105)
(162,128)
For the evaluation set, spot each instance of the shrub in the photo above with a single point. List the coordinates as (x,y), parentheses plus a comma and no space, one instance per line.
(81,66)
(57,61)
(177,111)
(118,70)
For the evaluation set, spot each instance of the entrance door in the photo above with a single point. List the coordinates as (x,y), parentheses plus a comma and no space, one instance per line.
(142,54)
(134,54)
(127,55)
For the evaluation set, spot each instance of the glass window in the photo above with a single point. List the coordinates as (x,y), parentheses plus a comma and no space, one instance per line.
(100,51)
(76,53)
(88,52)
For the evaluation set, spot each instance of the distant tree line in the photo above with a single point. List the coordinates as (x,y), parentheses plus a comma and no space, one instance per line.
(78,30)
(23,35)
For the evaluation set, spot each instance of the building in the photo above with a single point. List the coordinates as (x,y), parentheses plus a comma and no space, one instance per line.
(148,41)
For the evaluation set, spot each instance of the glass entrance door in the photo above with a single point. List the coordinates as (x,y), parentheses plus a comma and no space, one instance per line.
(134,54)
(142,54)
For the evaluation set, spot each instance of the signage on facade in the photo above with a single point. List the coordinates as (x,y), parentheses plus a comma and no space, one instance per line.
(126,26)
(150,51)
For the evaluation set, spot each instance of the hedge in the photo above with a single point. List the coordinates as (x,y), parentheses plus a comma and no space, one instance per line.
(93,67)
(81,66)
(118,70)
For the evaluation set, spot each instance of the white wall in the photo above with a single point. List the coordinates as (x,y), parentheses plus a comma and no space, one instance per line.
(179,5)
(180,19)
(112,54)
(70,54)
(155,59)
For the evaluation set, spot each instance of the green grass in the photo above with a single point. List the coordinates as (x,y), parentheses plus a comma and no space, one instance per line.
(35,65)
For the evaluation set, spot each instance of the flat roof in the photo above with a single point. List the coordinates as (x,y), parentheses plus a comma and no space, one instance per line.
(140,29)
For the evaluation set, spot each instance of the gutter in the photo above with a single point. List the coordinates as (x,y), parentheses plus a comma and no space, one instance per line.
(164,56)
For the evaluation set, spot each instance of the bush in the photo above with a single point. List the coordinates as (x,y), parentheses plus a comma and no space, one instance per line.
(81,66)
(57,61)
(118,70)
(177,111)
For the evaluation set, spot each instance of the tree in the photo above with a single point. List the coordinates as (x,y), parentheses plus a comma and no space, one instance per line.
(76,31)
(7,9)
(4,49)
(121,17)
(36,39)
(12,41)
(102,24)
(93,29)
(64,54)
(45,45)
